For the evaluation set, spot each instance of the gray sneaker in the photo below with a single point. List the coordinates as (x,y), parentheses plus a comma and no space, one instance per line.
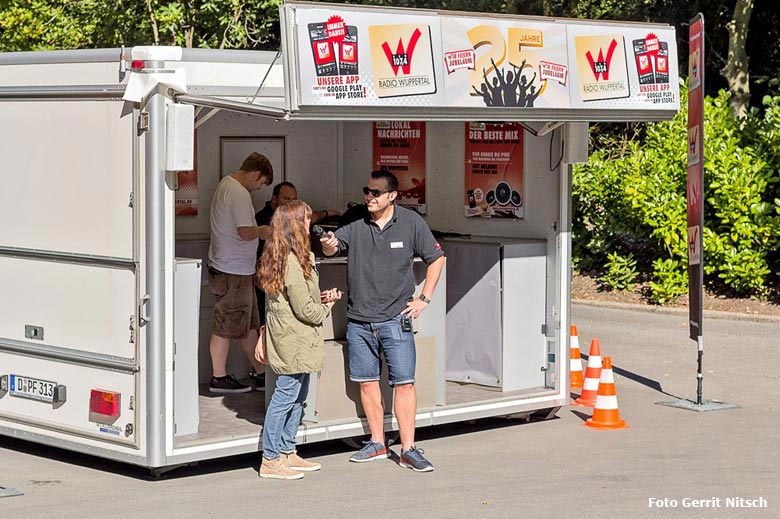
(371,451)
(414,459)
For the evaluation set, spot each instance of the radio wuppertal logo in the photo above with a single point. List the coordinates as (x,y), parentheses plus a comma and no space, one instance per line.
(402,59)
(600,65)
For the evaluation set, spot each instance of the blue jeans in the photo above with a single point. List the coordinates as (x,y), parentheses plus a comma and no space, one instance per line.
(284,414)
(367,340)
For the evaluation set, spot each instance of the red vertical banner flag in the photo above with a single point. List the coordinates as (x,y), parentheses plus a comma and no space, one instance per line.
(399,146)
(695,188)
(494,171)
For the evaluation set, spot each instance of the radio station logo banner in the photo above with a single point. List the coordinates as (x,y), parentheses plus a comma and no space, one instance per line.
(602,67)
(694,249)
(694,153)
(402,60)
(694,69)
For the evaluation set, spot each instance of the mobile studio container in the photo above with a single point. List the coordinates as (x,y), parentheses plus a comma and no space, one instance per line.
(110,158)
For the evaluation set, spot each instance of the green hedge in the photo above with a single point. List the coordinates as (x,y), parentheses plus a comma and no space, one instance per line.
(629,204)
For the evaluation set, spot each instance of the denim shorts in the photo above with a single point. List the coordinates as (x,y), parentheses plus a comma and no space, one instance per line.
(367,340)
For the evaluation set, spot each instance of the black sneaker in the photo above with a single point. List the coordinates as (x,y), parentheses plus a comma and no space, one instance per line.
(258,379)
(227,385)
(414,459)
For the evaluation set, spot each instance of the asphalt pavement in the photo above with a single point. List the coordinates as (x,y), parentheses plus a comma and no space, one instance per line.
(669,463)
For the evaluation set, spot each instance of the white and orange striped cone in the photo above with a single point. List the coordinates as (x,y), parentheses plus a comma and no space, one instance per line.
(606,414)
(592,374)
(575,361)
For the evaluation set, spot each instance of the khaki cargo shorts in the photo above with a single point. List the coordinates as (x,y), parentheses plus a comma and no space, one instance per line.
(235,307)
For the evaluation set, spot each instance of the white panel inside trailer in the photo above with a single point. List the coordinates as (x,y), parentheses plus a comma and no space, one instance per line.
(67,178)
(80,307)
(310,162)
(73,415)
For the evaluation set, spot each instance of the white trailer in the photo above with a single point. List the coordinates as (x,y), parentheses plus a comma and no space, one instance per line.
(105,315)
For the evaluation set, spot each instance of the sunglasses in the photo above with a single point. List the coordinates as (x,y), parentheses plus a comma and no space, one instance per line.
(374,192)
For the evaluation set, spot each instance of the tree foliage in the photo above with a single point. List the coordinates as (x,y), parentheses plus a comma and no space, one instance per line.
(74,24)
(630,199)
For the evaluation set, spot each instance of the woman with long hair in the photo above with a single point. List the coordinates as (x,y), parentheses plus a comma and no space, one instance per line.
(294,344)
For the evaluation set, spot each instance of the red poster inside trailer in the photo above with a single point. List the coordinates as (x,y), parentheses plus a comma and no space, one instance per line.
(399,146)
(494,171)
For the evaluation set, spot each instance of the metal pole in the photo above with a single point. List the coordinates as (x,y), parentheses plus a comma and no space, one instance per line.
(699,374)
(155,277)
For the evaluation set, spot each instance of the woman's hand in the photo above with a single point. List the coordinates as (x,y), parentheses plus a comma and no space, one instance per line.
(260,354)
(330,296)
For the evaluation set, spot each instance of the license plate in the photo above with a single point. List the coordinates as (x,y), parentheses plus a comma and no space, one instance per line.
(32,388)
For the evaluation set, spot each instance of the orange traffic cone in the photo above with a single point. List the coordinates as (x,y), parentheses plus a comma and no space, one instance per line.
(592,373)
(575,361)
(606,414)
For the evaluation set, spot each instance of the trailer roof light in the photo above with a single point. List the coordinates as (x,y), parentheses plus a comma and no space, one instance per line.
(137,64)
(104,402)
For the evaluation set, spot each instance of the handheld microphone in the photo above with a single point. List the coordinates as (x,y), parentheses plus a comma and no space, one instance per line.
(318,231)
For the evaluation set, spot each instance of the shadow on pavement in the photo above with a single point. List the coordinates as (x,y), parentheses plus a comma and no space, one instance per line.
(250,460)
(648,382)
(579,414)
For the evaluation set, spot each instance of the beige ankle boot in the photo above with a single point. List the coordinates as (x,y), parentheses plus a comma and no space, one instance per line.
(295,462)
(276,469)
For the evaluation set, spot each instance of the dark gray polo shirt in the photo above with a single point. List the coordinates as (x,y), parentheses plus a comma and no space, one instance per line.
(380,279)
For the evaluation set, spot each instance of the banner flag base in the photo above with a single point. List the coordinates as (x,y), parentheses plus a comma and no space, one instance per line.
(706,405)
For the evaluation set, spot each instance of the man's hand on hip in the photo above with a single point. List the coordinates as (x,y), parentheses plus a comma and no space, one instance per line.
(415,307)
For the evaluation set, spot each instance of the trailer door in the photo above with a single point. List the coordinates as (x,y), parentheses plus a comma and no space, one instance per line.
(68,263)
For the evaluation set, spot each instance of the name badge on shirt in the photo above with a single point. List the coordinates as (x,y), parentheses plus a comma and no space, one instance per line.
(396,245)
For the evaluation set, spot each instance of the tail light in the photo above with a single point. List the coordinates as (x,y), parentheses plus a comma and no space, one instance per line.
(106,403)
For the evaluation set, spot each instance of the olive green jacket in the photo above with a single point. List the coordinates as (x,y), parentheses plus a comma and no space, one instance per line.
(294,322)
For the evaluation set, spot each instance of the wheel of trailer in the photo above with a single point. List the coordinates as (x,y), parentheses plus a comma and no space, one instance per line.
(356,442)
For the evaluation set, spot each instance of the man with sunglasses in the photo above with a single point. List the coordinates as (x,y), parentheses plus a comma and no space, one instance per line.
(381,249)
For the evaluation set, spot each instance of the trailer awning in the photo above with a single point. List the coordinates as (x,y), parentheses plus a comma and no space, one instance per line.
(366,63)
(233,106)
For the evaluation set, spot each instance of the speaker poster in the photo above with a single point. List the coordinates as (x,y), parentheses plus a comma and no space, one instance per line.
(494,171)
(399,146)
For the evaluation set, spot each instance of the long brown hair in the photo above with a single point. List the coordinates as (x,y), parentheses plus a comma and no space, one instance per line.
(288,234)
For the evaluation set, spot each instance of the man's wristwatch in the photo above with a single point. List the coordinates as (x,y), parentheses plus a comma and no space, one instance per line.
(424,299)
